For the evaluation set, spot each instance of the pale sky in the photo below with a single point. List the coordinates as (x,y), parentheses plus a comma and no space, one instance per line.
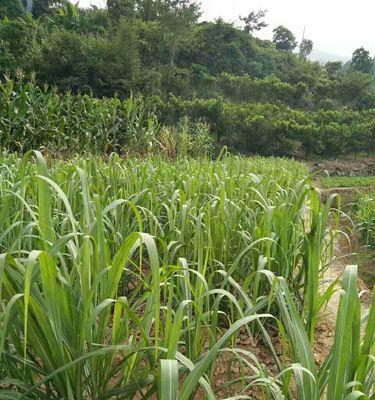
(335,26)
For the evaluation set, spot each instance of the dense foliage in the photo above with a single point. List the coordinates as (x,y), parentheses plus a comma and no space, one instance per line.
(91,310)
(32,118)
(139,278)
(257,96)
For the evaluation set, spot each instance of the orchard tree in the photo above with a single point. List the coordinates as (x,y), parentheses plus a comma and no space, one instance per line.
(361,60)
(254,21)
(355,86)
(284,38)
(305,48)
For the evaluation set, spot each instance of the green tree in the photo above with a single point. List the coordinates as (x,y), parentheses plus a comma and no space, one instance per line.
(334,69)
(147,9)
(11,8)
(335,138)
(361,60)
(41,7)
(254,21)
(94,20)
(355,86)
(284,38)
(177,17)
(63,60)
(220,47)
(121,8)
(69,14)
(16,43)
(127,50)
(305,48)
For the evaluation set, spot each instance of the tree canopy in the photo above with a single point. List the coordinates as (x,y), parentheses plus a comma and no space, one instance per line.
(284,38)
(306,47)
(361,60)
(182,65)
(11,8)
(254,21)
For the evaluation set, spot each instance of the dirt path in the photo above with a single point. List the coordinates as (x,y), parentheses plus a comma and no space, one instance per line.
(342,256)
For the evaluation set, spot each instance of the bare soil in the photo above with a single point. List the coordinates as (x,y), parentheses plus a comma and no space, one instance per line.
(363,167)
(345,252)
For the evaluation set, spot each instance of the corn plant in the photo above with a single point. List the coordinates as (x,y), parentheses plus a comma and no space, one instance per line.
(31,117)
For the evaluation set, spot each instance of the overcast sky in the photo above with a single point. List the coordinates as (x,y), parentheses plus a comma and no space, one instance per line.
(335,26)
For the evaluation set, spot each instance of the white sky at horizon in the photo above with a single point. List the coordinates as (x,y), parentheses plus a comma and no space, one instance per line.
(335,26)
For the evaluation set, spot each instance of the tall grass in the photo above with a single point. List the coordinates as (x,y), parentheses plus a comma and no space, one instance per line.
(228,214)
(365,217)
(348,371)
(92,310)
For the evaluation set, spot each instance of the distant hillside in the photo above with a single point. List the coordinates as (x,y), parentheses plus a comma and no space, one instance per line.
(322,56)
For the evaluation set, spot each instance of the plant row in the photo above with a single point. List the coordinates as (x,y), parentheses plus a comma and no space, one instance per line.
(31,117)
(93,307)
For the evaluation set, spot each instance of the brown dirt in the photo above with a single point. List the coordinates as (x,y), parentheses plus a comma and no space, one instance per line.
(343,256)
(363,167)
(228,369)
